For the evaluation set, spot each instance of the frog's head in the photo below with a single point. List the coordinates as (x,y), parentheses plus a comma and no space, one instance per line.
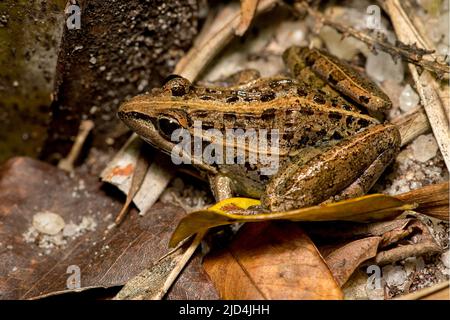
(155,116)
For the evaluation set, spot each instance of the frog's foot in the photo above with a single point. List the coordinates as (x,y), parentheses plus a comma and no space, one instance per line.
(347,169)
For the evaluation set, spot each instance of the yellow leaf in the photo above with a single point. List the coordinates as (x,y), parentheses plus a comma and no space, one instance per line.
(363,209)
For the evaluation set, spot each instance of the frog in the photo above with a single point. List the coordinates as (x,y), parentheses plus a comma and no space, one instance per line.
(332,140)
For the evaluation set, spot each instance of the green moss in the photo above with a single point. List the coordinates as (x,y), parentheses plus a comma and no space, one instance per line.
(28,53)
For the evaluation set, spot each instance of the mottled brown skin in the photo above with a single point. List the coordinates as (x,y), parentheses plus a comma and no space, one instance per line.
(330,148)
(339,75)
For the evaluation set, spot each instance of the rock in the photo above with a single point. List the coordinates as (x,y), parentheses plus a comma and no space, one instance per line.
(345,48)
(424,147)
(445,258)
(48,222)
(394,275)
(408,98)
(381,67)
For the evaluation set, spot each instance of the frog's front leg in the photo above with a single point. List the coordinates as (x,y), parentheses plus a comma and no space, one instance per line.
(221,187)
(348,169)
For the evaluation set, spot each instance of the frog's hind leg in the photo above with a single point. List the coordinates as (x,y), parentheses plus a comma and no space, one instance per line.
(344,170)
(365,181)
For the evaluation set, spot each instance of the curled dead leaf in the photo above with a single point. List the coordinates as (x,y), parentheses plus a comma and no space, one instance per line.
(344,260)
(366,208)
(271,260)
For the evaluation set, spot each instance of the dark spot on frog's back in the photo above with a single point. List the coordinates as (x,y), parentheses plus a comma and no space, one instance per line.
(364,99)
(302,92)
(321,133)
(268,115)
(346,107)
(307,111)
(363,123)
(232,99)
(304,140)
(332,79)
(206,98)
(231,117)
(268,96)
(336,136)
(349,120)
(335,115)
(288,136)
(201,114)
(319,99)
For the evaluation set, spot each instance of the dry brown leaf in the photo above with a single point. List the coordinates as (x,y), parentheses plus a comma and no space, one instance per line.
(432,200)
(346,259)
(139,173)
(33,265)
(232,210)
(271,261)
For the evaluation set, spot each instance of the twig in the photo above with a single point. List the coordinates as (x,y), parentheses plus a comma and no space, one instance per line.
(248,8)
(180,265)
(412,124)
(427,86)
(199,56)
(436,292)
(409,53)
(67,163)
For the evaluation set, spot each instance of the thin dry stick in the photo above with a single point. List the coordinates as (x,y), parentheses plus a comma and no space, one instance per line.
(426,84)
(199,56)
(173,275)
(412,124)
(67,163)
(410,54)
(248,8)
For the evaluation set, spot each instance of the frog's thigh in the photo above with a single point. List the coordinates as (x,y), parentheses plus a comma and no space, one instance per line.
(366,180)
(349,168)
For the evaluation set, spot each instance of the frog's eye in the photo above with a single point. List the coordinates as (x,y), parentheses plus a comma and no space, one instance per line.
(167,126)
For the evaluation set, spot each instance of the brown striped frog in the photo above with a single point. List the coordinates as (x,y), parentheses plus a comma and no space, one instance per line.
(332,141)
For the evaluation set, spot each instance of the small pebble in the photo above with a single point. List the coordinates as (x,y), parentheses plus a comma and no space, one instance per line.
(424,147)
(445,258)
(48,222)
(381,67)
(408,99)
(394,275)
